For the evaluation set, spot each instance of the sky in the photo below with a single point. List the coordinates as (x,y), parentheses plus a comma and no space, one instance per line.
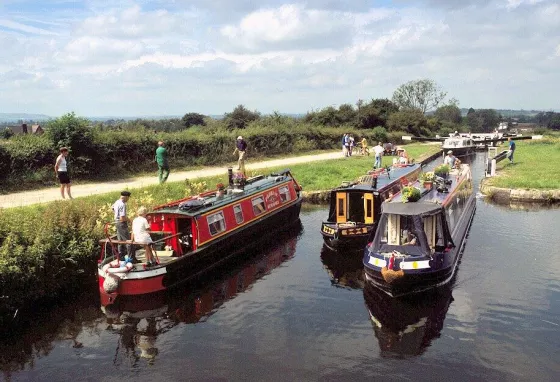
(170,57)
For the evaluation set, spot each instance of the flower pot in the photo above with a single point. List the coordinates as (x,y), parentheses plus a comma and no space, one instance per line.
(428,185)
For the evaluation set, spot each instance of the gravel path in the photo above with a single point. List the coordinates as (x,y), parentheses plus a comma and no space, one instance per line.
(78,190)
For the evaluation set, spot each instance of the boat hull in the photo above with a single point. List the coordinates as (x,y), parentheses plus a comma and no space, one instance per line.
(336,237)
(190,265)
(407,282)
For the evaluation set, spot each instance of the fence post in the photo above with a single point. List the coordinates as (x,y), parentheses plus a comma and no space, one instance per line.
(493,169)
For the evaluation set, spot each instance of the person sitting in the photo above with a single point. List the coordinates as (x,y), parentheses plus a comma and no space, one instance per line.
(409,238)
(140,235)
(403,157)
(450,159)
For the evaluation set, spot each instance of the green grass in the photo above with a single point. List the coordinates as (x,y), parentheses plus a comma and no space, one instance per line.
(536,165)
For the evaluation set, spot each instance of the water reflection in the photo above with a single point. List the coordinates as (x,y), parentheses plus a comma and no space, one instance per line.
(406,326)
(345,268)
(138,320)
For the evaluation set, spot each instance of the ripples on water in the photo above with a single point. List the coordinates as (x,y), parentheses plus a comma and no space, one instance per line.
(300,312)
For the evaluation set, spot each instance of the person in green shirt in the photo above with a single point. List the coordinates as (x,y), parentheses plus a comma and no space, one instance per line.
(163,165)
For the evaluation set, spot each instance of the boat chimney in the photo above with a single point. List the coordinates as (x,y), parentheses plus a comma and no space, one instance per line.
(230,176)
(374,181)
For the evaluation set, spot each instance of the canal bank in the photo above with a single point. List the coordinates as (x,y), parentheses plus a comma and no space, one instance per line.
(507,195)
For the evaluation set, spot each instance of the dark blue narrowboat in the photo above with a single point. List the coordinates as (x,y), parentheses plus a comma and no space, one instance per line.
(417,245)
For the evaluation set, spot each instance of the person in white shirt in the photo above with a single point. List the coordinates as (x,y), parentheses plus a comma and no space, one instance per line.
(450,159)
(378,150)
(61,171)
(140,235)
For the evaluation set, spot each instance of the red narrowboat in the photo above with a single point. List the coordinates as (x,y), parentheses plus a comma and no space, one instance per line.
(200,232)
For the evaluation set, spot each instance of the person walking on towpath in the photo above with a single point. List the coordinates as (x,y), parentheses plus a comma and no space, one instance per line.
(240,148)
(511,150)
(378,150)
(61,171)
(163,165)
(121,223)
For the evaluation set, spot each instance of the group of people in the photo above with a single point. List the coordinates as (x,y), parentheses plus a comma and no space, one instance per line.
(348,144)
(140,231)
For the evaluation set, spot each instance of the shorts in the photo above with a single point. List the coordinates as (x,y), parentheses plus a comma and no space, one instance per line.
(63,177)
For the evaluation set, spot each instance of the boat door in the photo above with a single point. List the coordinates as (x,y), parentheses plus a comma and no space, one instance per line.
(341,206)
(368,208)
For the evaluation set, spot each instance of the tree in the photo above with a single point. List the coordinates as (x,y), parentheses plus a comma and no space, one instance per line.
(240,117)
(412,121)
(193,119)
(376,113)
(483,120)
(449,113)
(423,95)
(74,132)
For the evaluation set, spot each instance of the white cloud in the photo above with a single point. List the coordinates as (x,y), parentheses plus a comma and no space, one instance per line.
(101,58)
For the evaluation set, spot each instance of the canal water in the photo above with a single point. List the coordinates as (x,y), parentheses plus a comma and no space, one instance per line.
(296,311)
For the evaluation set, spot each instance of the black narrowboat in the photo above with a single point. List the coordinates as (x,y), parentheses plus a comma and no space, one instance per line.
(355,206)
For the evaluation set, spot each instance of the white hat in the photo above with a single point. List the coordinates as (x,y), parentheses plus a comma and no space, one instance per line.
(450,152)
(239,137)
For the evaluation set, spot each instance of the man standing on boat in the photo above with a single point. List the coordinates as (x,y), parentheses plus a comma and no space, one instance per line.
(450,159)
(378,150)
(121,223)
(240,148)
(163,165)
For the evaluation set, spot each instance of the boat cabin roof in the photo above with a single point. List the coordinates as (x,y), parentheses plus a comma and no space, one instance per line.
(409,209)
(431,201)
(365,182)
(197,205)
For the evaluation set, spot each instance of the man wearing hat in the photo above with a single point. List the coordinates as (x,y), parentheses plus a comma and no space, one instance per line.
(450,159)
(240,147)
(121,222)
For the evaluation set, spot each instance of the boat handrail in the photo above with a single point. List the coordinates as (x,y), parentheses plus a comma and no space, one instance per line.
(109,240)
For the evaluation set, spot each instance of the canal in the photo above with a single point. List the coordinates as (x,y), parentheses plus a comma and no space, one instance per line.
(296,311)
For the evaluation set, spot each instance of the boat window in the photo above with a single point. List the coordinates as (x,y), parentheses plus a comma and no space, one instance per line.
(408,234)
(238,213)
(434,232)
(284,193)
(216,223)
(341,207)
(258,205)
(393,224)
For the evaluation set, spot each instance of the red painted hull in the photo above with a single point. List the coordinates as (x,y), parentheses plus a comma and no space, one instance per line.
(130,287)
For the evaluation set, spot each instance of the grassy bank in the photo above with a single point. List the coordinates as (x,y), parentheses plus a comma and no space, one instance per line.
(535,166)
(44,249)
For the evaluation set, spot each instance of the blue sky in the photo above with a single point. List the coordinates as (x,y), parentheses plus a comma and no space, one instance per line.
(169,57)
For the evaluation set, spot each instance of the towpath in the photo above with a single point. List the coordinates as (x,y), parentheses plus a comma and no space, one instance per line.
(26,198)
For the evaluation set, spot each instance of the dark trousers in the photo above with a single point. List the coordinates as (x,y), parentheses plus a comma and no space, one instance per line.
(124,234)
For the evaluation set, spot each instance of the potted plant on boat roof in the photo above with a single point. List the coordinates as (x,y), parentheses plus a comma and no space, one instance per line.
(410,194)
(427,178)
(442,170)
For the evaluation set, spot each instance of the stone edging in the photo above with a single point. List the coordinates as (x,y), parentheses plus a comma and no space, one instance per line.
(498,194)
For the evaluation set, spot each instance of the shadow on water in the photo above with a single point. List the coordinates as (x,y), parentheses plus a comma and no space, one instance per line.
(406,326)
(345,268)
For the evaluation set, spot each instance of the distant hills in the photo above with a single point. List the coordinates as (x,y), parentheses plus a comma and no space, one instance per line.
(14,118)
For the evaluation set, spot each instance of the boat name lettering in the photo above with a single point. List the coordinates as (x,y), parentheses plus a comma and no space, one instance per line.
(272,199)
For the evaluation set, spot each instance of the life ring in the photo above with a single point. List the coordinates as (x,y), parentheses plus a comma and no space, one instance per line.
(117,266)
